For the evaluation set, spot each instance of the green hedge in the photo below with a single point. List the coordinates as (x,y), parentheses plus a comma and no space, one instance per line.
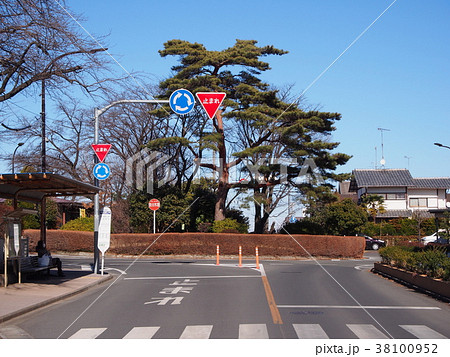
(85,224)
(431,262)
(229,225)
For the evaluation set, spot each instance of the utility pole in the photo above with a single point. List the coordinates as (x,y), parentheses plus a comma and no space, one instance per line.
(43,149)
(43,166)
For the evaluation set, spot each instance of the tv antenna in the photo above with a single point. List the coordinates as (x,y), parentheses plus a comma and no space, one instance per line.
(407,158)
(382,161)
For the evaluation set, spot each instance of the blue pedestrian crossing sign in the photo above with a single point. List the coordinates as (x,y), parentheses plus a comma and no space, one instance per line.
(101,171)
(182,101)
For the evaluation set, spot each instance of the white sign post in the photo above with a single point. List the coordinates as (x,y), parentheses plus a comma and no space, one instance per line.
(17,249)
(104,233)
(154,205)
(16,238)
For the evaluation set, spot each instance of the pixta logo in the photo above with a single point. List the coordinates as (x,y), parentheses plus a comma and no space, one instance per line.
(142,167)
(308,170)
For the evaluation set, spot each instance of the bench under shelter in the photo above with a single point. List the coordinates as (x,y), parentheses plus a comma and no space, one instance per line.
(34,188)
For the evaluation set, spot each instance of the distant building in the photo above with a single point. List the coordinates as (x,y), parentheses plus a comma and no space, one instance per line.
(403,195)
(344,192)
(67,209)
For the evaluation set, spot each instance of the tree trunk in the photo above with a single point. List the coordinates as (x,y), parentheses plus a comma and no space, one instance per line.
(261,221)
(224,186)
(222,193)
(261,212)
(258,223)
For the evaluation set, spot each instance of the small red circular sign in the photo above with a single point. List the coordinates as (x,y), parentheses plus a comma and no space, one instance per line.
(154,204)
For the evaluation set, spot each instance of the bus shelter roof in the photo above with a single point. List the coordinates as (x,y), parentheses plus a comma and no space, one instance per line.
(33,187)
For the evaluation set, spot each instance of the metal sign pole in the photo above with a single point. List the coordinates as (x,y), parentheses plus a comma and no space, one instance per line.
(154,222)
(6,259)
(97,113)
(103,262)
(96,197)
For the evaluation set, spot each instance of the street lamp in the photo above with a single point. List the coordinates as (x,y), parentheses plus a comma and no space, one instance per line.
(14,154)
(442,146)
(97,113)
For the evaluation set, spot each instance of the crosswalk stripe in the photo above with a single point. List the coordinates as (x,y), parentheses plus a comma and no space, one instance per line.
(422,331)
(259,331)
(141,332)
(253,331)
(309,331)
(197,332)
(88,333)
(366,331)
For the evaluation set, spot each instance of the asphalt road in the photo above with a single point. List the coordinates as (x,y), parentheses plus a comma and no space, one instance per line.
(173,298)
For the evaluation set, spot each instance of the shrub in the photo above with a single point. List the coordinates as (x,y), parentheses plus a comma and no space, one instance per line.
(80,224)
(432,262)
(204,227)
(229,225)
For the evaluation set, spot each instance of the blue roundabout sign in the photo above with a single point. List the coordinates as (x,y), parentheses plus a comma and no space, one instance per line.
(182,101)
(101,171)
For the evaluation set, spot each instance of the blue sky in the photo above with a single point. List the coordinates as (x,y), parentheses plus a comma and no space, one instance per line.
(395,77)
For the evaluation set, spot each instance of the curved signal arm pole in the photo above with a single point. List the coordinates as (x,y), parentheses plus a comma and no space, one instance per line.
(14,129)
(442,146)
(97,113)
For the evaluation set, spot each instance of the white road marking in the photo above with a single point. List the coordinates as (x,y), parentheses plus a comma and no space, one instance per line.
(366,331)
(247,331)
(359,307)
(310,331)
(192,277)
(255,331)
(141,332)
(422,331)
(120,271)
(163,301)
(364,267)
(197,332)
(88,333)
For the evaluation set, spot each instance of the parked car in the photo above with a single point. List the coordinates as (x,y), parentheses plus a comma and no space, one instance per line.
(373,243)
(429,239)
(435,238)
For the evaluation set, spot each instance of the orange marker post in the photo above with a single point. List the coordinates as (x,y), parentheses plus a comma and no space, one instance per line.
(257,258)
(217,255)
(240,256)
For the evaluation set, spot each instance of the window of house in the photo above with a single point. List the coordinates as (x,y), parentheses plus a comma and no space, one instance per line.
(395,196)
(418,202)
(432,202)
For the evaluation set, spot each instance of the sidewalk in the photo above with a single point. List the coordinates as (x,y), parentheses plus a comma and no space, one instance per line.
(18,299)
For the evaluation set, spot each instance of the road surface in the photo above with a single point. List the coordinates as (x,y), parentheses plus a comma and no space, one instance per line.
(177,299)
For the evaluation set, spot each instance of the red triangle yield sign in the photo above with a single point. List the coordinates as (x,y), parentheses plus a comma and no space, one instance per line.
(211,101)
(101,150)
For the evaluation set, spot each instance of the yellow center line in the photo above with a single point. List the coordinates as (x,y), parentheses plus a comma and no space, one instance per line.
(276,317)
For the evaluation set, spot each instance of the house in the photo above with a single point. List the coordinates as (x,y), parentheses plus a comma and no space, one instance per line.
(403,195)
(67,209)
(343,192)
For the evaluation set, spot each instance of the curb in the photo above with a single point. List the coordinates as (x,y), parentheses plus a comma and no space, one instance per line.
(423,284)
(49,301)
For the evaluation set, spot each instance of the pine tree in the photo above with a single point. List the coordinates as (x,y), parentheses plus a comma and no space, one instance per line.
(254,125)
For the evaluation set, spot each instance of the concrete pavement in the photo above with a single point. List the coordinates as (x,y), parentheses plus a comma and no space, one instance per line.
(18,299)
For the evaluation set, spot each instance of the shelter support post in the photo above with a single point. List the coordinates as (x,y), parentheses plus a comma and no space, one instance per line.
(43,223)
